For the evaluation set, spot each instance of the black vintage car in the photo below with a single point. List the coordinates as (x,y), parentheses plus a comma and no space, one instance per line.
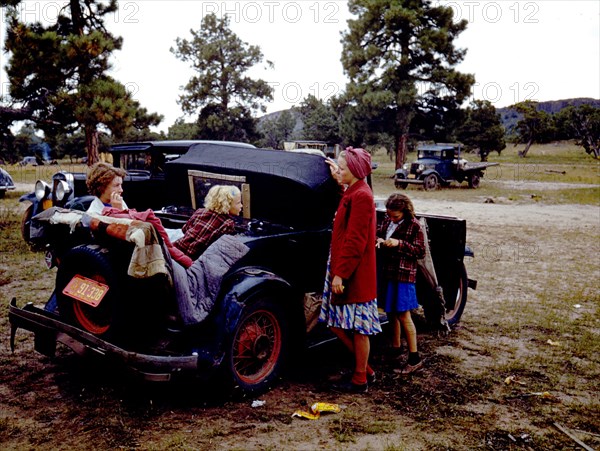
(6,182)
(439,165)
(264,304)
(144,185)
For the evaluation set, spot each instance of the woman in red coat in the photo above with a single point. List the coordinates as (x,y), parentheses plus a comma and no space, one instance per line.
(349,299)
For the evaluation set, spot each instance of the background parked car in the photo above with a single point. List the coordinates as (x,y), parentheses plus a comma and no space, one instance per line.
(33,161)
(439,165)
(6,182)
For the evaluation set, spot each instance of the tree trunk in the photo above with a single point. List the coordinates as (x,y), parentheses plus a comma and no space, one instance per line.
(401,150)
(91,144)
(404,117)
(523,153)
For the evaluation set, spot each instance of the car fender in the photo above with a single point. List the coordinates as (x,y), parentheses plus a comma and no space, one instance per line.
(243,285)
(29,197)
(247,282)
(426,172)
(469,251)
(400,173)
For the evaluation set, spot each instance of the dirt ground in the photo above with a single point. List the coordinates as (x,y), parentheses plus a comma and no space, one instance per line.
(456,402)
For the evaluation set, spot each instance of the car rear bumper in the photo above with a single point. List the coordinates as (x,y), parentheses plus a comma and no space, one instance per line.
(49,330)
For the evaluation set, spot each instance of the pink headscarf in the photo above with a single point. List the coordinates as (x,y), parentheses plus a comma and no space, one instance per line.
(358,161)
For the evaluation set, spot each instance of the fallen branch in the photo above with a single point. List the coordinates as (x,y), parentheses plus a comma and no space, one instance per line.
(572,437)
(551,171)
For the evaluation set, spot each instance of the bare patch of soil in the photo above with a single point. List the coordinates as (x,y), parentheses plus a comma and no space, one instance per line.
(459,401)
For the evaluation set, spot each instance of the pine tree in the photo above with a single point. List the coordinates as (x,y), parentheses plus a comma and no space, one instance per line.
(400,57)
(220,93)
(58,72)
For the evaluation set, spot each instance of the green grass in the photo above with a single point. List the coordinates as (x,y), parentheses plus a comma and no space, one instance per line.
(30,174)
(513,179)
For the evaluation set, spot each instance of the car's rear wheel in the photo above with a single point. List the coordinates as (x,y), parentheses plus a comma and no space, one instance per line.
(430,182)
(454,312)
(259,346)
(92,263)
(474,181)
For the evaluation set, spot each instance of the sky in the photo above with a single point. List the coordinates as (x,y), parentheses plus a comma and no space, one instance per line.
(517,50)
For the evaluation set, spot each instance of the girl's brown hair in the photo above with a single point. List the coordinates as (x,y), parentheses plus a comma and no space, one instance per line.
(400,202)
(100,176)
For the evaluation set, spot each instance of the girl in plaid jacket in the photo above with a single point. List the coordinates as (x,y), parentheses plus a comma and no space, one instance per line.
(400,242)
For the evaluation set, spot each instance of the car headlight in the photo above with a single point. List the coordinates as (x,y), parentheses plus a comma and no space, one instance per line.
(41,190)
(421,168)
(406,166)
(62,190)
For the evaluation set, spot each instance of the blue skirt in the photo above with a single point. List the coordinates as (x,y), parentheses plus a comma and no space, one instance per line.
(399,297)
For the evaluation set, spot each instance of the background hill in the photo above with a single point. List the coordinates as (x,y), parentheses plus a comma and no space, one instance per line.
(510,117)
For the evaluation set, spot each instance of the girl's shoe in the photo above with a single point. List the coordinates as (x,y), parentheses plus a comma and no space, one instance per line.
(409,369)
(350,387)
(371,378)
(393,355)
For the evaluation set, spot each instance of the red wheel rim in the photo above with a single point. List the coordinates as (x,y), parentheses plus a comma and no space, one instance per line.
(256,347)
(91,318)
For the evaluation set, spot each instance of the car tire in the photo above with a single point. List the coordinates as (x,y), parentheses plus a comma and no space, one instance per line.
(430,182)
(454,314)
(474,181)
(399,184)
(259,345)
(93,263)
(26,224)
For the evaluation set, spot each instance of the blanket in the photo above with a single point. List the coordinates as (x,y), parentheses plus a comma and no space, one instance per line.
(197,287)
(147,258)
(149,216)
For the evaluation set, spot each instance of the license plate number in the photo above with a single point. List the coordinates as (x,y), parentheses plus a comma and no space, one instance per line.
(86,290)
(411,176)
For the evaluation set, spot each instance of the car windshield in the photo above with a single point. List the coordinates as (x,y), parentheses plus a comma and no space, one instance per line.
(146,161)
(430,153)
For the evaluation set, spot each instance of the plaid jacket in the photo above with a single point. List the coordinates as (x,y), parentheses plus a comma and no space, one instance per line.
(400,263)
(201,230)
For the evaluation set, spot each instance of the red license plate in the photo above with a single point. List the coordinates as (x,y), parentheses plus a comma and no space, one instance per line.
(86,290)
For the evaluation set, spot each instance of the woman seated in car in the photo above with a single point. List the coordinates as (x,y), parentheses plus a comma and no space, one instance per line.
(106,183)
(207,224)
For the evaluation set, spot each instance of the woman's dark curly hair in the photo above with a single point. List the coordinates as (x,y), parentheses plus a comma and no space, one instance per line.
(400,202)
(100,176)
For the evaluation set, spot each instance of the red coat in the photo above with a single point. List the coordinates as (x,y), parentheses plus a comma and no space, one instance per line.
(353,245)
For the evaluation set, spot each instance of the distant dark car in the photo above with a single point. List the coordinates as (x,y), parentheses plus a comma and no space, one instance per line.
(143,186)
(6,182)
(33,161)
(439,165)
(263,308)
